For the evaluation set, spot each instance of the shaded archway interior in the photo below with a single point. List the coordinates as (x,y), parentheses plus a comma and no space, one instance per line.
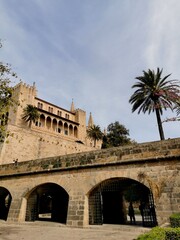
(108,202)
(5,202)
(47,202)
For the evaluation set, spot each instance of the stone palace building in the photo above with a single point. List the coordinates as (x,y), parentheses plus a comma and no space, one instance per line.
(58,131)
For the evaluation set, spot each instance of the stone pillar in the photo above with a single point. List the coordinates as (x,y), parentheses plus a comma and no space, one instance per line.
(76,210)
(14,211)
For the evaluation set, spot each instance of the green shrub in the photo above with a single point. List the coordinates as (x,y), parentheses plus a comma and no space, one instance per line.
(175,220)
(172,234)
(156,233)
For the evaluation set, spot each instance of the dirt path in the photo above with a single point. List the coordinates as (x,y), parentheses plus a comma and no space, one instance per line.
(49,231)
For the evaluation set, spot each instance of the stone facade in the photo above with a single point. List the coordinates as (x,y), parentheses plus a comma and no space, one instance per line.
(57,131)
(156,165)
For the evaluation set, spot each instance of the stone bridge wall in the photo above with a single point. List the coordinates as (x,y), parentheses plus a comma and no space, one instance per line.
(155,164)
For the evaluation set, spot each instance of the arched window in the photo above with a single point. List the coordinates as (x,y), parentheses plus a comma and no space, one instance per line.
(65,128)
(48,122)
(54,125)
(75,132)
(70,130)
(42,120)
(60,126)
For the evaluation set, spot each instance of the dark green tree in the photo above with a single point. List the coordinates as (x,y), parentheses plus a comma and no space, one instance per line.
(154,94)
(117,135)
(30,114)
(94,133)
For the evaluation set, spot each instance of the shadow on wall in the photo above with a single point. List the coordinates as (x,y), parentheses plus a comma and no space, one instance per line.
(47,202)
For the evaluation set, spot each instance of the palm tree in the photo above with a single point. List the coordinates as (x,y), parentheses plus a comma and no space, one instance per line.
(154,93)
(177,107)
(94,133)
(30,114)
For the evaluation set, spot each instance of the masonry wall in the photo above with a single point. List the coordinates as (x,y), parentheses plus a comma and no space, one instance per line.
(78,174)
(25,144)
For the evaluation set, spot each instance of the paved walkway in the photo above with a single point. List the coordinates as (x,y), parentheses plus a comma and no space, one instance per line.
(55,231)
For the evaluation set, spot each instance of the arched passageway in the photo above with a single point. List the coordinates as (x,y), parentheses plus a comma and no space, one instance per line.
(5,202)
(110,200)
(47,202)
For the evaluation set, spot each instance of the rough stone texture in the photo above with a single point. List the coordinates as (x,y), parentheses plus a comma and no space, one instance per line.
(79,173)
(27,144)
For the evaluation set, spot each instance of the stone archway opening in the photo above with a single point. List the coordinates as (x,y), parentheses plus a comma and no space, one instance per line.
(5,202)
(109,203)
(47,202)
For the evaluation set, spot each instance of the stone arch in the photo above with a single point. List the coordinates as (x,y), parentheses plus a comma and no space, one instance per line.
(108,202)
(66,129)
(60,126)
(47,201)
(48,122)
(5,202)
(75,132)
(42,120)
(70,130)
(54,124)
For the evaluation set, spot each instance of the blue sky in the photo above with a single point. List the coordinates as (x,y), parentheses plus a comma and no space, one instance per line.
(91,51)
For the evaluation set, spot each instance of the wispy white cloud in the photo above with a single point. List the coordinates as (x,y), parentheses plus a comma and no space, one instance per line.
(163,44)
(92,51)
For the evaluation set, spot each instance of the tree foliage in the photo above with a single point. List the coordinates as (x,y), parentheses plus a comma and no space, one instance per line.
(154,94)
(30,114)
(117,135)
(177,109)
(6,100)
(94,133)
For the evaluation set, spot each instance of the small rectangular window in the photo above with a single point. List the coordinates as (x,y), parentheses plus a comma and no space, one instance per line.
(59,113)
(40,105)
(50,109)
(67,116)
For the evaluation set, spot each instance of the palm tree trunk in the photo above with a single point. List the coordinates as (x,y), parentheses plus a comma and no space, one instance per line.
(161,132)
